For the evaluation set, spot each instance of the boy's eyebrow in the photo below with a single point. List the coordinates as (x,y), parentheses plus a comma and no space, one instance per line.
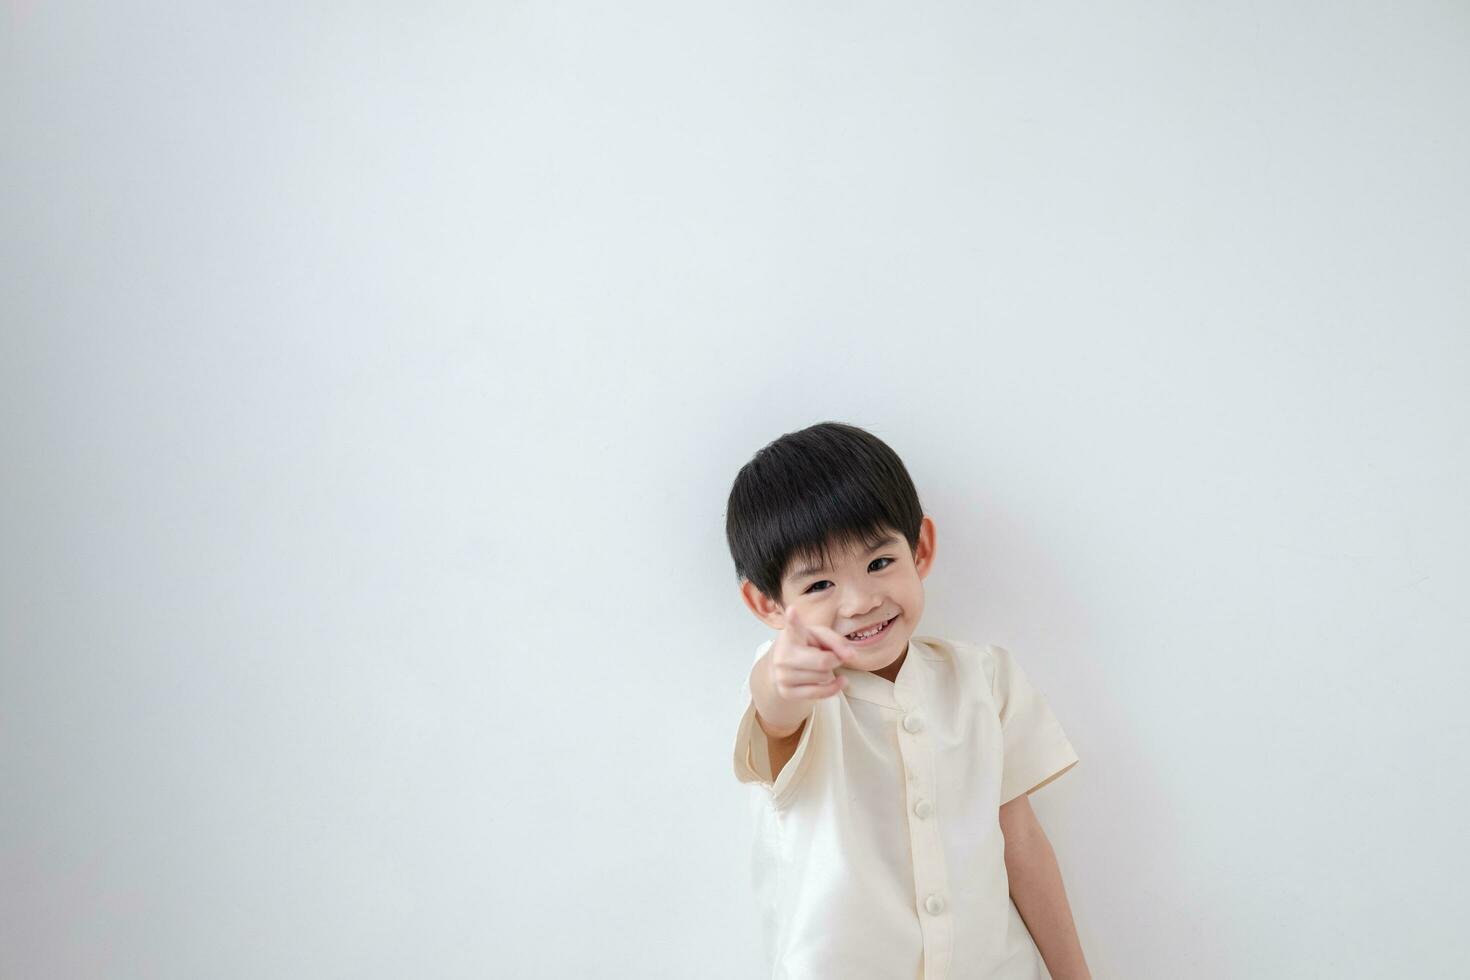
(812,569)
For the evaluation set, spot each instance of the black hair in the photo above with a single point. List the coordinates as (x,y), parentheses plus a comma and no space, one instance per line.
(828,484)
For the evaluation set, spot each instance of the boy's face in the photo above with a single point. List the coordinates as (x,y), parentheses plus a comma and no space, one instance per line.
(865,589)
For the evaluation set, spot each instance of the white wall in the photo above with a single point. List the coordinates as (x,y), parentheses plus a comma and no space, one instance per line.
(373,378)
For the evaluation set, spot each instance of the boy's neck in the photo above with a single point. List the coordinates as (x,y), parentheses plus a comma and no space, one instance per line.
(890,673)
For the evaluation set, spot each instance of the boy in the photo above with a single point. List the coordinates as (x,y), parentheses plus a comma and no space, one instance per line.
(896,841)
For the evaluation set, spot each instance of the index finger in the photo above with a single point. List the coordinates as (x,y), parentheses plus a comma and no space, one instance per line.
(798,629)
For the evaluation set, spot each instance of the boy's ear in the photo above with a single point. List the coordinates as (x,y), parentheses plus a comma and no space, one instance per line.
(762,605)
(924,552)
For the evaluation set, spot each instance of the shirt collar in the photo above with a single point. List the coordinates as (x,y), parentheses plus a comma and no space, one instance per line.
(868,686)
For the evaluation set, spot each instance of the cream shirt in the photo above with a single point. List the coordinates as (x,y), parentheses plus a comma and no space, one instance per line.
(878,851)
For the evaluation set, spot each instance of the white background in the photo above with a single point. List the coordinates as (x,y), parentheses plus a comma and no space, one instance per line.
(372,379)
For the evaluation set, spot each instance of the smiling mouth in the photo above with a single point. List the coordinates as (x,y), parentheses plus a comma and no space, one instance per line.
(868,639)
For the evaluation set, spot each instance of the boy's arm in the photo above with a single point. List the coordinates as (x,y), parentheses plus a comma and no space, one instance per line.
(780,750)
(781,740)
(1036,888)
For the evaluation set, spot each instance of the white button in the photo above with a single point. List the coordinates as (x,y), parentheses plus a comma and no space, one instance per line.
(923,808)
(911,723)
(934,904)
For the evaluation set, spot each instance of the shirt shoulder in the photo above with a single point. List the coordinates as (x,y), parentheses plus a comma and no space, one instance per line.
(967,657)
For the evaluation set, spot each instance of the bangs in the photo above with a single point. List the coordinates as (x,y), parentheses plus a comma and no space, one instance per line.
(810,559)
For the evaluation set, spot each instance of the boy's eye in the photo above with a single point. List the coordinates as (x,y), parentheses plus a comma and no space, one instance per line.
(875,561)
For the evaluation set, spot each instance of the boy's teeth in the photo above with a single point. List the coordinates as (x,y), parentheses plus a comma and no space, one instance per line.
(860,636)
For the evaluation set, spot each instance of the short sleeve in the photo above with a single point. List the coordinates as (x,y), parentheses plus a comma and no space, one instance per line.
(1036,750)
(752,751)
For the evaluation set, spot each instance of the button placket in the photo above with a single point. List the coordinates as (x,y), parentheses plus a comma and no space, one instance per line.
(931,880)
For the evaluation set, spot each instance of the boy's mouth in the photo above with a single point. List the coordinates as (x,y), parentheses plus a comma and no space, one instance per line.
(872,637)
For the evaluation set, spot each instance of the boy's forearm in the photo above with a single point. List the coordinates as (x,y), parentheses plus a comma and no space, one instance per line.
(1036,888)
(778,717)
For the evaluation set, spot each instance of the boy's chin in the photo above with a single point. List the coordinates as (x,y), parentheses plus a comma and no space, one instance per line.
(871,660)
